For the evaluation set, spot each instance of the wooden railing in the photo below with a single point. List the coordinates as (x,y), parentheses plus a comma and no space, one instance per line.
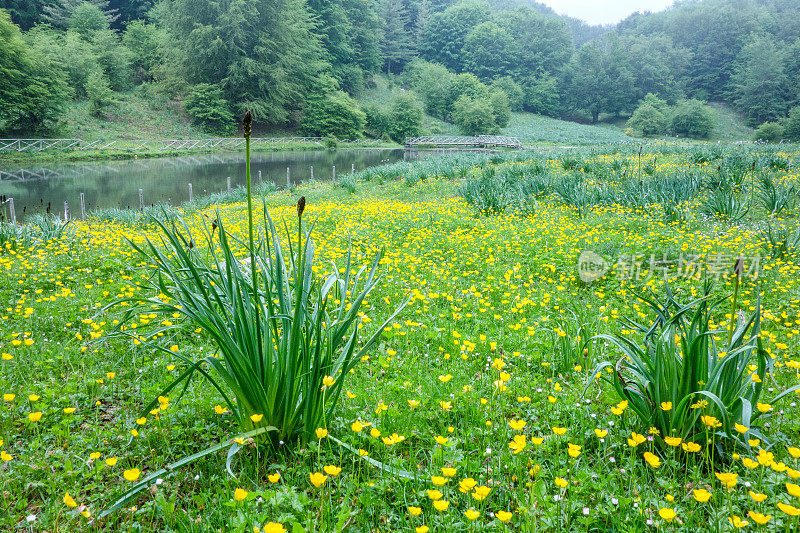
(483,141)
(134,145)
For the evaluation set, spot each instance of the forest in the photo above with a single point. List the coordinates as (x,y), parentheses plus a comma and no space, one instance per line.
(303,65)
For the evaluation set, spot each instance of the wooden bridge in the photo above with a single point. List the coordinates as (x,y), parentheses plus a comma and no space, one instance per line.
(165,145)
(481,141)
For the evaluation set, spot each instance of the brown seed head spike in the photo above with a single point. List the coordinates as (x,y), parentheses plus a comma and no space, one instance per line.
(247,124)
(301,205)
(738,267)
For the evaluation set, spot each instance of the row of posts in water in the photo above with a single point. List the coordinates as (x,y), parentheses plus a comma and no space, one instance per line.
(13,215)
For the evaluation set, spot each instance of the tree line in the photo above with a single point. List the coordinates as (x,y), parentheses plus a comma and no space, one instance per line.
(303,63)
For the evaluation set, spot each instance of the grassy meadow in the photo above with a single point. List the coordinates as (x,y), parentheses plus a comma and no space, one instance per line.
(485,405)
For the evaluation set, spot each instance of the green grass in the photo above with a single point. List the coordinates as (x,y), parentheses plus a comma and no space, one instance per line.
(540,130)
(730,125)
(495,336)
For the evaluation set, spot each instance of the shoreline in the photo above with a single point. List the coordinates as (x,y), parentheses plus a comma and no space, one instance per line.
(107,155)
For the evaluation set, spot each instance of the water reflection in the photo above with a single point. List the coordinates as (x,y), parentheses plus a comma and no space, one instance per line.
(166,180)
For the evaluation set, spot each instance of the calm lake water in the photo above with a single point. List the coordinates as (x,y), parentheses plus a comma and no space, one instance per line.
(166,180)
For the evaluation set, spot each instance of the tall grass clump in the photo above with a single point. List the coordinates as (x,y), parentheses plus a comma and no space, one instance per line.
(286,340)
(682,381)
(776,197)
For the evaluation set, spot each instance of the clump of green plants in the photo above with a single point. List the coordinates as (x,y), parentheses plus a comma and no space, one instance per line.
(781,241)
(776,197)
(725,203)
(678,378)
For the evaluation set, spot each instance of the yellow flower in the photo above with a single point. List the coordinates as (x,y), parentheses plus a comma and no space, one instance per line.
(737,522)
(441,505)
(256,418)
(749,463)
(740,428)
(5,456)
(503,516)
(448,472)
(481,493)
(729,479)
(759,518)
(574,450)
(94,455)
(691,447)
(561,482)
(415,511)
(240,494)
(274,527)
(793,490)
(466,484)
(111,461)
(673,441)
(327,381)
(666,513)
(636,439)
(33,397)
(69,410)
(701,495)
(471,514)
(446,406)
(141,421)
(438,480)
(516,425)
(441,440)
(652,459)
(131,474)
(710,421)
(9,397)
(422,529)
(332,470)
(321,433)
(446,378)
(413,403)
(434,494)
(317,478)
(35,417)
(763,407)
(788,509)
(559,431)
(220,410)
(758,498)
(666,406)
(357,426)
(69,501)
(274,478)
(374,433)
(601,433)
(794,451)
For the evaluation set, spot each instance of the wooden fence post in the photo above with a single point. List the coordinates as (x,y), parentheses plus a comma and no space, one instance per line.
(191,194)
(11,211)
(83,208)
(141,200)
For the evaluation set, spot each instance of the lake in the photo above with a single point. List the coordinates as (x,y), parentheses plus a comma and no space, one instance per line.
(166,180)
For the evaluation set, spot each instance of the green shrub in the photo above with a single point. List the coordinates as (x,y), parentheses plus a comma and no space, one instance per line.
(692,118)
(771,132)
(791,126)
(99,92)
(474,116)
(542,95)
(334,114)
(405,116)
(513,90)
(501,109)
(209,110)
(377,122)
(650,117)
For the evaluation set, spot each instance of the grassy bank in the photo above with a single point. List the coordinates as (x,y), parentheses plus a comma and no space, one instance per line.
(482,390)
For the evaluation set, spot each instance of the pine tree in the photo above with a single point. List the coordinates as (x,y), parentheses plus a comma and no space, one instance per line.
(396,46)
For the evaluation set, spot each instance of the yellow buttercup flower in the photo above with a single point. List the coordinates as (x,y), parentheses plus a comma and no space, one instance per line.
(503,516)
(317,478)
(69,501)
(415,511)
(131,474)
(701,495)
(759,518)
(667,514)
(240,494)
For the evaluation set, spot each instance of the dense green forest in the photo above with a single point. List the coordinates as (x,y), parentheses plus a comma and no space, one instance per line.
(302,64)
